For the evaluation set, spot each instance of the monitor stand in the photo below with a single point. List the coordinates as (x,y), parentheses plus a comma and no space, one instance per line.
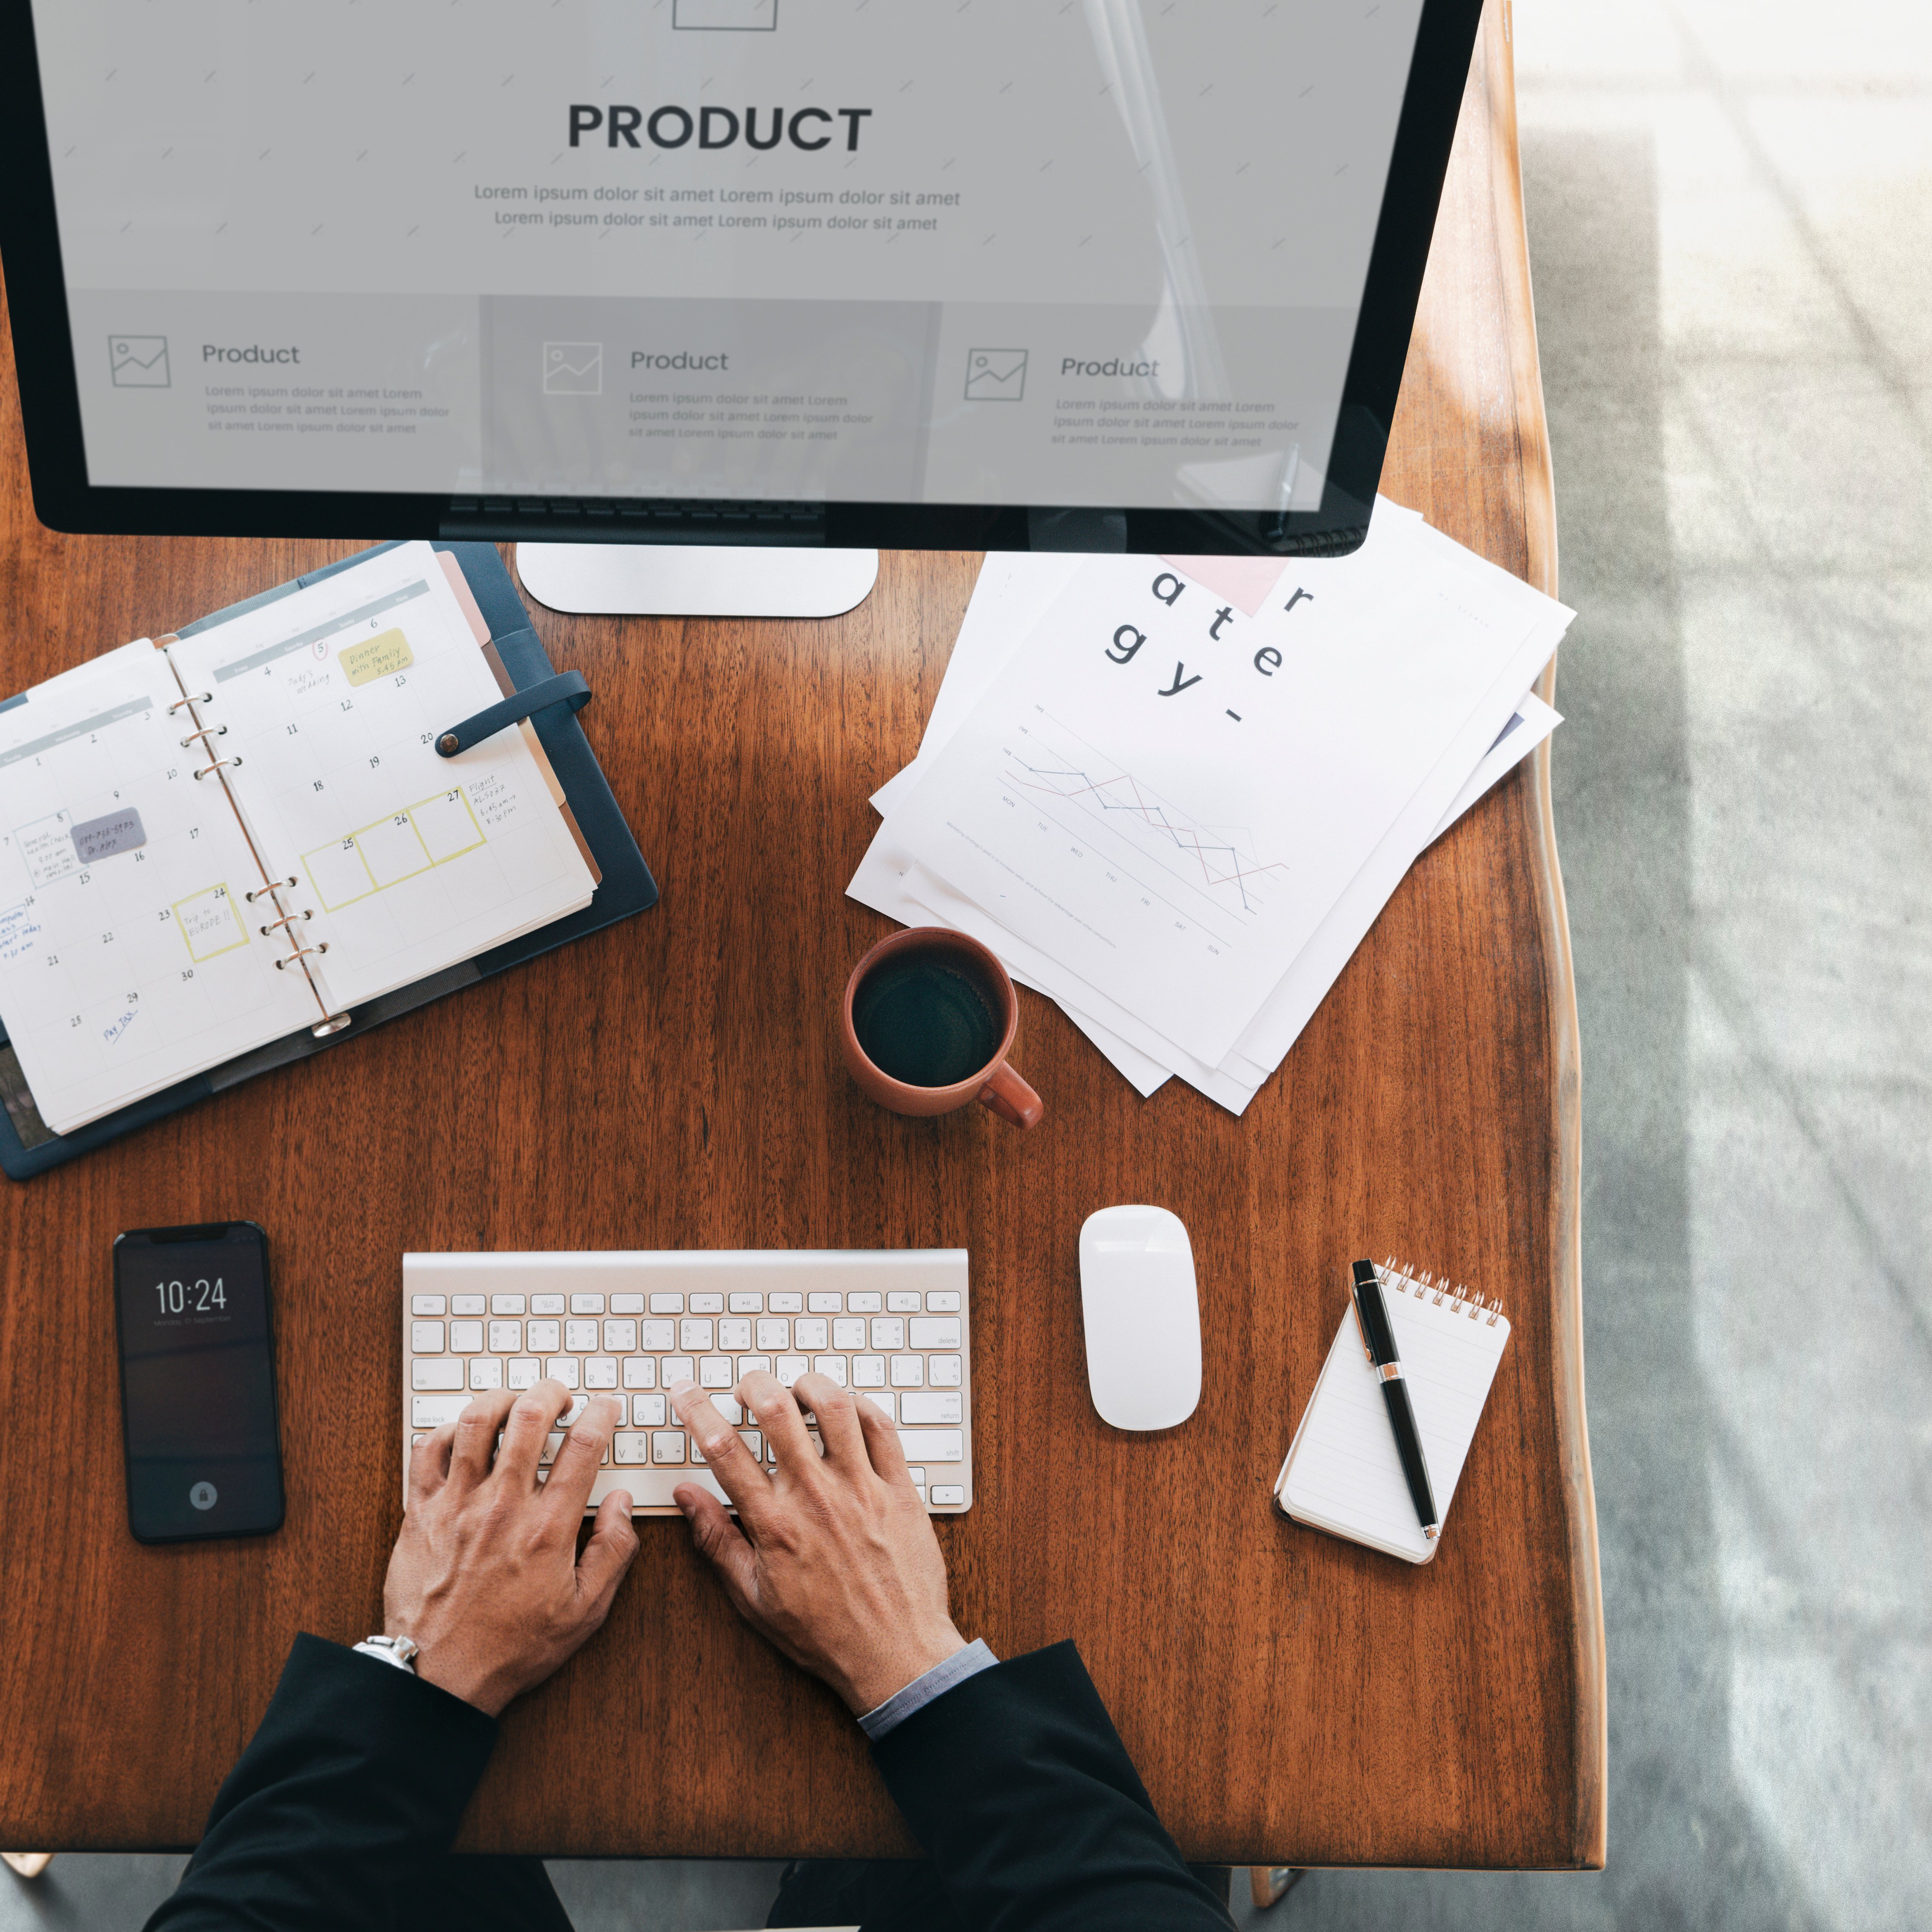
(696,580)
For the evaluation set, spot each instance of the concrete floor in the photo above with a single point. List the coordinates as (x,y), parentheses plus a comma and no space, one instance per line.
(1730,207)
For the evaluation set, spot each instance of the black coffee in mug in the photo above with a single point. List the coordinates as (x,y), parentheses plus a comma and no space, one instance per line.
(925,1022)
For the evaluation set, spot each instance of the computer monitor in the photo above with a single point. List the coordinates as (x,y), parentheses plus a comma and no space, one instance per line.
(809,274)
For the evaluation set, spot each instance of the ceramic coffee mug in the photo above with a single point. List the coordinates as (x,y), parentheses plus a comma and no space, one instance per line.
(928,1023)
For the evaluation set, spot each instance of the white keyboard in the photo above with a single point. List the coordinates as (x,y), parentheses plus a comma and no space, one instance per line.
(889,1325)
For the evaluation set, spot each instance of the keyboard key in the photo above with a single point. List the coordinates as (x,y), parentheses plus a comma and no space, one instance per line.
(747,1364)
(580,1335)
(908,1371)
(541,1338)
(650,1411)
(667,1303)
(946,1494)
(789,1369)
(918,1489)
(425,1337)
(506,1337)
(734,1332)
(426,1304)
(578,1404)
(707,1304)
(667,1446)
(466,1337)
(659,1335)
(808,1334)
(933,1445)
(445,1374)
(868,1372)
(693,1335)
(415,1441)
(825,1304)
(888,1331)
(432,1412)
(627,1304)
(782,1303)
(880,1399)
(848,1333)
(627,1448)
(931,1405)
(620,1337)
(942,1301)
(753,1441)
(600,1371)
(587,1304)
(744,1302)
(640,1372)
(521,1373)
(902,1301)
(865,1301)
(553,1442)
(506,1304)
(917,1474)
(833,1366)
(486,1372)
(466,1304)
(546,1304)
(937,1332)
(730,1408)
(714,1372)
(677,1368)
(944,1370)
(774,1332)
(562,1368)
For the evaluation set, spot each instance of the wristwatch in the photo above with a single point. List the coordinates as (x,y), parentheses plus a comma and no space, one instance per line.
(399,1651)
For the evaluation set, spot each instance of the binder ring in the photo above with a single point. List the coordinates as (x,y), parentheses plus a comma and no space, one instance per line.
(298,953)
(268,892)
(202,698)
(206,732)
(216,766)
(335,1023)
(287,919)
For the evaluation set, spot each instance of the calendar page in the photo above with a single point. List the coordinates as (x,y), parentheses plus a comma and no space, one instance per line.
(128,960)
(333,697)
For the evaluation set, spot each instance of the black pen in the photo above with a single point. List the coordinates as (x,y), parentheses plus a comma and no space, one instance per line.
(1378,1339)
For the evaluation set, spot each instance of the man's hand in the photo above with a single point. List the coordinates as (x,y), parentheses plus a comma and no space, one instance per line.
(832,1557)
(485,1576)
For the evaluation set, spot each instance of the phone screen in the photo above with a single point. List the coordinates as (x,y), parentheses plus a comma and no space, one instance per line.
(197,1382)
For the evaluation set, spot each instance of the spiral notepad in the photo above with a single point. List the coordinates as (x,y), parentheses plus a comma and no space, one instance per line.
(1341,1474)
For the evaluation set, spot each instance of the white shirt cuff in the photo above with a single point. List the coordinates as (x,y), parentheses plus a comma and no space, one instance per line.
(922,1690)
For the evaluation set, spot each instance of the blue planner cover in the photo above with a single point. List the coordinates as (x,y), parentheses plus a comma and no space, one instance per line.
(28,1147)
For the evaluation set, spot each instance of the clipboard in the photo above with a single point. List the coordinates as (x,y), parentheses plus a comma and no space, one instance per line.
(28,1147)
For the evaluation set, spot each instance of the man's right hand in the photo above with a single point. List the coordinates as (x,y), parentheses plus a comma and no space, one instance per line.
(833,1557)
(486,1575)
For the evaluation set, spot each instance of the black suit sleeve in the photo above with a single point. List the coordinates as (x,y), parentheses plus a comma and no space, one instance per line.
(1017,1783)
(355,1781)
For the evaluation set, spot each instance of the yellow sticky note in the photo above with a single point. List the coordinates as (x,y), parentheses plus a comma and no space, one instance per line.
(381,655)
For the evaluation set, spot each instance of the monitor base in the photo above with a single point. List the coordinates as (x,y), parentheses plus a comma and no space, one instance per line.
(695,580)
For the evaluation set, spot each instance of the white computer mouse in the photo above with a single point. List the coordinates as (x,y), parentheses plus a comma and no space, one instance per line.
(1142,1316)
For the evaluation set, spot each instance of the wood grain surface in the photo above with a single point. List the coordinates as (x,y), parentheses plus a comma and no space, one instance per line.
(675,1082)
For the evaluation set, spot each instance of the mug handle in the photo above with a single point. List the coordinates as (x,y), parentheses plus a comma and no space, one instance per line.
(1008,1095)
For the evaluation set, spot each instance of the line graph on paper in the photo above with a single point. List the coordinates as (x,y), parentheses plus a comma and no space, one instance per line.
(1218,863)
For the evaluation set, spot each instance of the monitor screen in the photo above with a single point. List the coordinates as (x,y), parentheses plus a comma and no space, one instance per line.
(1013,252)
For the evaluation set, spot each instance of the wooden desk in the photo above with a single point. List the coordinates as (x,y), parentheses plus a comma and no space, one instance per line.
(675,1083)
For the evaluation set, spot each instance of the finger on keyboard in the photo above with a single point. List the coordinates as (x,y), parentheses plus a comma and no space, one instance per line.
(586,1444)
(719,1447)
(531,1417)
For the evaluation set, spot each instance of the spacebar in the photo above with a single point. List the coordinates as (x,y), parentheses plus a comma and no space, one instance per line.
(650,1489)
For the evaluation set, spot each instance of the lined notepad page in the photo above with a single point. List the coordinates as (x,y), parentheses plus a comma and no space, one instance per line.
(1343,1474)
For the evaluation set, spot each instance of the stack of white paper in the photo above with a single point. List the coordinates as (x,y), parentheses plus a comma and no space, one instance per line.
(1173,793)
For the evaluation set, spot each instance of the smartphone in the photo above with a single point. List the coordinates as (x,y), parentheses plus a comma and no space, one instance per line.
(198,1421)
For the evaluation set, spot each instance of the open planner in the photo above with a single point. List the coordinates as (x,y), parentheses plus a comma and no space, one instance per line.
(1342,1473)
(245,833)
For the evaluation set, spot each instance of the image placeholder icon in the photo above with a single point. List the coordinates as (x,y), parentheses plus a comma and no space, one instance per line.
(139,361)
(573,368)
(995,375)
(743,16)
